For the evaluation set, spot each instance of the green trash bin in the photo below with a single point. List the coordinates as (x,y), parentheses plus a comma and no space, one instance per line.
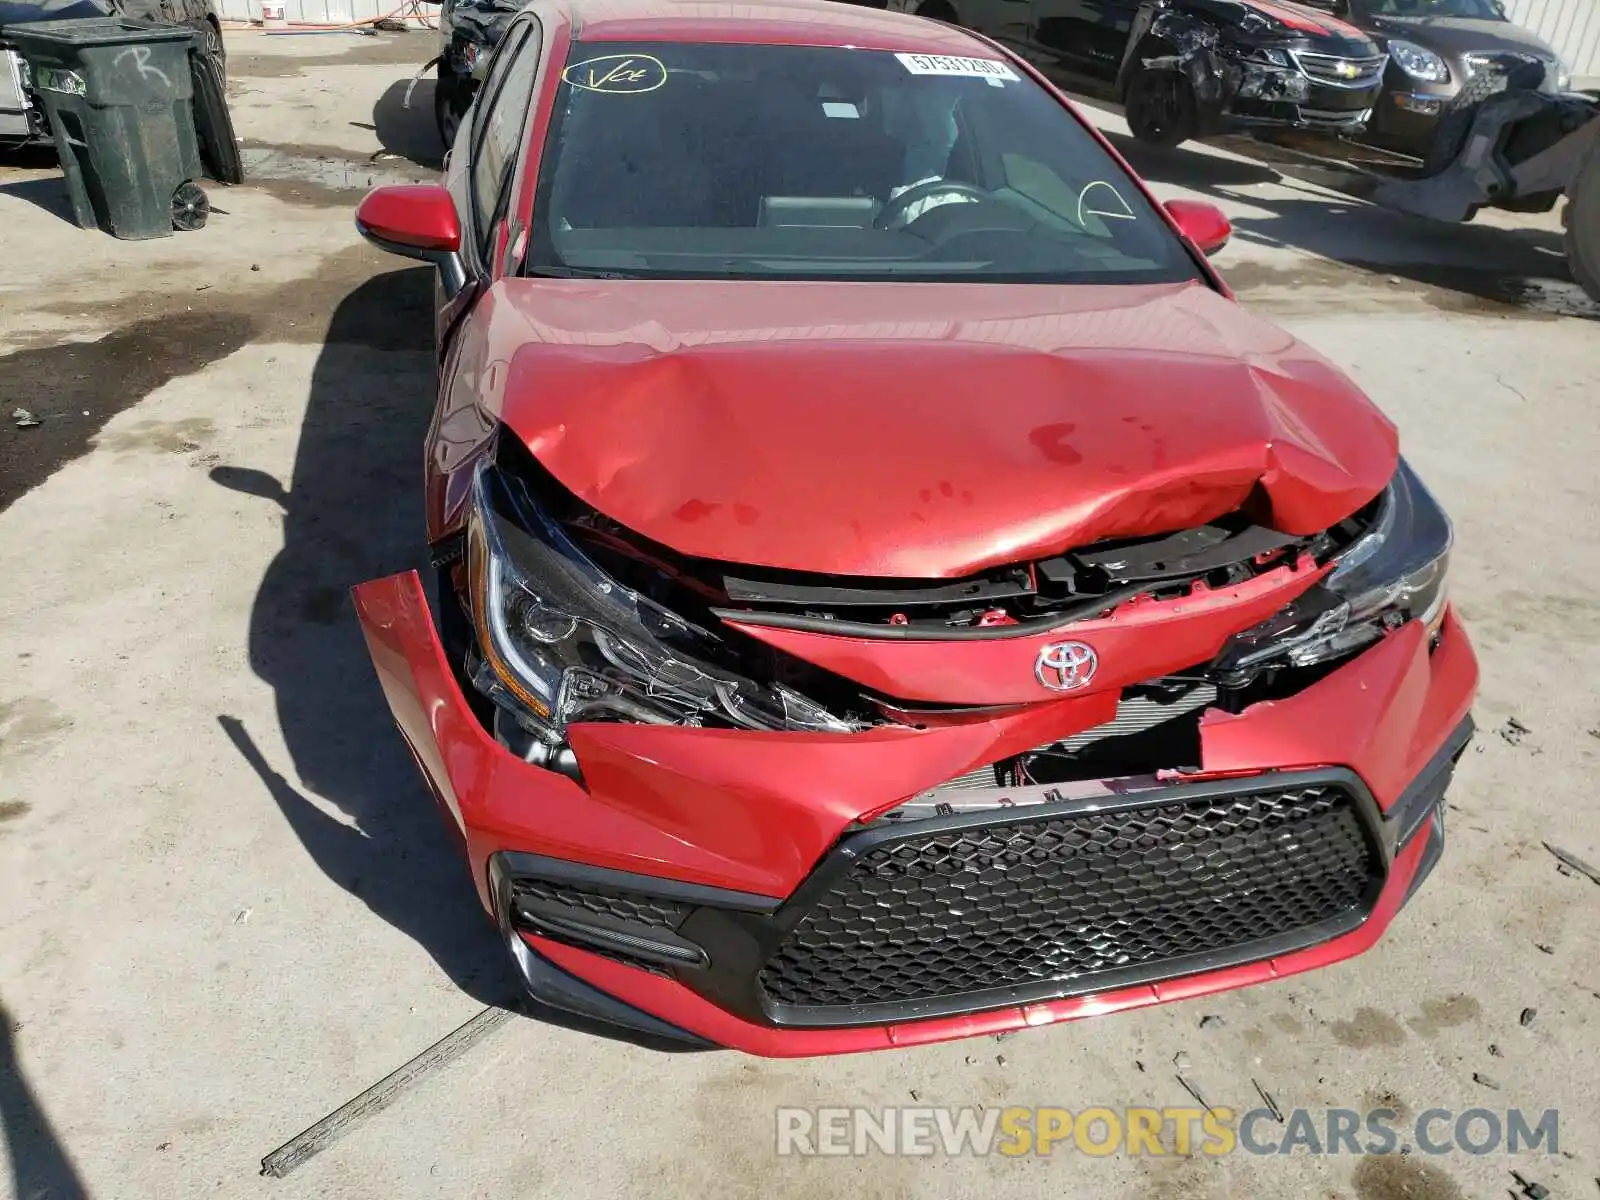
(118,94)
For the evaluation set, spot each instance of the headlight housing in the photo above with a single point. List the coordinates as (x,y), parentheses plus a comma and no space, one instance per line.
(1271,56)
(1393,573)
(561,641)
(1418,62)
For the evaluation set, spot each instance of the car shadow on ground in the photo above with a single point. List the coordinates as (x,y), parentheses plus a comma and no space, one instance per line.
(40,1165)
(409,132)
(353,512)
(48,192)
(1515,268)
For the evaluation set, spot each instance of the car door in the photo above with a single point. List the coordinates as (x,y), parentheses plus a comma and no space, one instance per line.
(1088,36)
(479,166)
(481,173)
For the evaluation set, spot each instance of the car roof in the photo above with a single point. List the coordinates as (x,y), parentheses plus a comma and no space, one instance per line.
(769,22)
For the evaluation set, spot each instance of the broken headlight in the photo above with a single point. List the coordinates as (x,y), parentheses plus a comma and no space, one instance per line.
(559,640)
(1418,62)
(1393,573)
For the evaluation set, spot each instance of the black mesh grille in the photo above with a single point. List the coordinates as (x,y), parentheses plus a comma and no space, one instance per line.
(1074,896)
(622,906)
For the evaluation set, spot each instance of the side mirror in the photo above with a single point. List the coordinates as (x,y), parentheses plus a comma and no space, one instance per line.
(416,220)
(1203,224)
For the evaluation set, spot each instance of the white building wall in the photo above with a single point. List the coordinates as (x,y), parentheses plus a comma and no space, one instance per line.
(1571,26)
(313,12)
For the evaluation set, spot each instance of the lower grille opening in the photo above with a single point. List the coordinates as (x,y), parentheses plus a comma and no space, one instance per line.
(987,909)
(628,927)
(1157,728)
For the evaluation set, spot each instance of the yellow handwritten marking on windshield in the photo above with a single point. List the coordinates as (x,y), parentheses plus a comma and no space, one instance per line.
(618,74)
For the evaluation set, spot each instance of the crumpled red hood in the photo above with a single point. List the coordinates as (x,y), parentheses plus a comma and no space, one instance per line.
(925,430)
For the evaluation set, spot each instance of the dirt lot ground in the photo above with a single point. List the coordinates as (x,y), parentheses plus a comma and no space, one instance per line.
(226,906)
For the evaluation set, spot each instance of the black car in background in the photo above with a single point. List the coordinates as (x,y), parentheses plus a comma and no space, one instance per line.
(22,120)
(469,31)
(1436,49)
(1184,68)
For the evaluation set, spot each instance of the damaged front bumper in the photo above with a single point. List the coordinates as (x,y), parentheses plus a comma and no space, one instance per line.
(22,120)
(776,893)
(1252,75)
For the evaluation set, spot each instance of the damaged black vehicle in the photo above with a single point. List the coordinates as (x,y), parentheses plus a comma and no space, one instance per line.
(469,30)
(1190,68)
(22,115)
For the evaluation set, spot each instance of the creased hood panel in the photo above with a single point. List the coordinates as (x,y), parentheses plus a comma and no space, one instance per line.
(924,431)
(1457,35)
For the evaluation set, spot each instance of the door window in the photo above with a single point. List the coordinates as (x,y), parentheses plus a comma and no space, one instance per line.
(502,116)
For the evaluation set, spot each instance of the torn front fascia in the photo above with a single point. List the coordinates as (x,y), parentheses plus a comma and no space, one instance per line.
(1218,66)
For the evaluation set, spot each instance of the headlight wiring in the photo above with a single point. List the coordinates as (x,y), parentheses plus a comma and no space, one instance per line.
(560,641)
(1394,573)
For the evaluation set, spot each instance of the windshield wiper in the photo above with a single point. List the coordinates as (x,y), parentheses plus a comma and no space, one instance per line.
(575,273)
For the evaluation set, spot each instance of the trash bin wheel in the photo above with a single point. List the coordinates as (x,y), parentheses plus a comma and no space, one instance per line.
(190,208)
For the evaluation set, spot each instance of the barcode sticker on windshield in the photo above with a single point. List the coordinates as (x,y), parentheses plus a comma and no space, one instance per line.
(944,64)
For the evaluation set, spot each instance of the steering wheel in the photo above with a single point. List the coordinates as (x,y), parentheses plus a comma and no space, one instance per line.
(896,208)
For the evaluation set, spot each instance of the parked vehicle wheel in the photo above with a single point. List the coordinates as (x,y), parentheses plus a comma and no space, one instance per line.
(452,96)
(211,44)
(213,125)
(1582,219)
(1450,134)
(1160,108)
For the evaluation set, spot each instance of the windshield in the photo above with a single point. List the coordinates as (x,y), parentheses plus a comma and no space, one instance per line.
(672,160)
(1481,10)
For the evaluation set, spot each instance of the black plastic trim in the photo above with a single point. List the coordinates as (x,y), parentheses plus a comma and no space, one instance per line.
(839,864)
(908,595)
(1091,607)
(740,944)
(1160,559)
(1178,793)
(1424,793)
(448,550)
(1430,856)
(549,984)
(1101,981)
(509,863)
(641,942)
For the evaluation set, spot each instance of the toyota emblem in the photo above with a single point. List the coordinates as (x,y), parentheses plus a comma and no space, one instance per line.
(1065,666)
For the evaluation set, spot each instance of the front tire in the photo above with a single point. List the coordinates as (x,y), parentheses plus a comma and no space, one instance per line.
(211,46)
(452,96)
(1160,108)
(213,124)
(1582,219)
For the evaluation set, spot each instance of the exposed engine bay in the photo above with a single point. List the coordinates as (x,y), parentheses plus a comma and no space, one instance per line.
(569,616)
(1256,64)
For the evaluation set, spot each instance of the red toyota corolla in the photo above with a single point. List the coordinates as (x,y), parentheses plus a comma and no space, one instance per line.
(887,590)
